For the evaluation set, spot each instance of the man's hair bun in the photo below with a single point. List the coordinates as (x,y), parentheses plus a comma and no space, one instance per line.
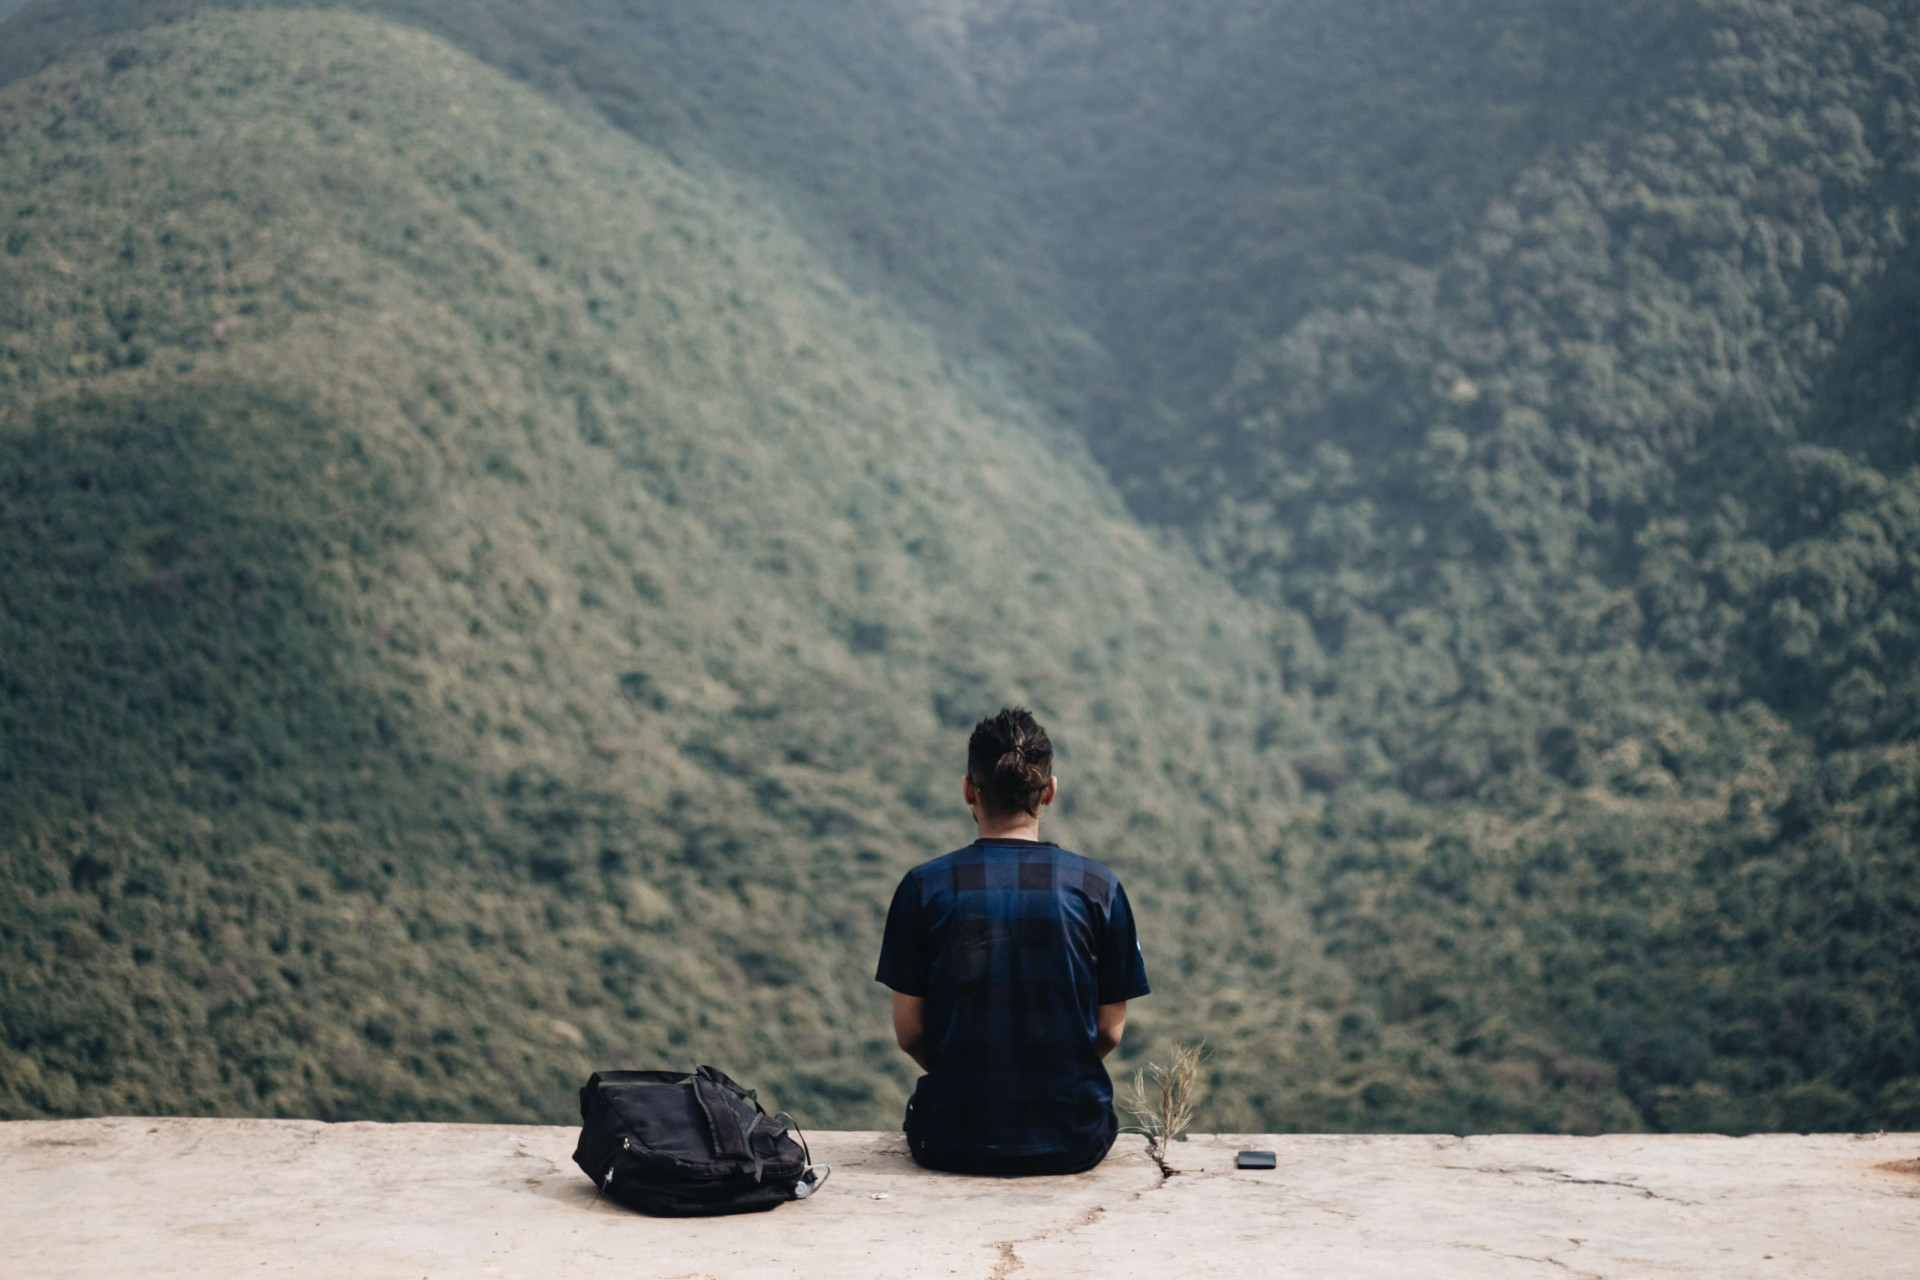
(1010,759)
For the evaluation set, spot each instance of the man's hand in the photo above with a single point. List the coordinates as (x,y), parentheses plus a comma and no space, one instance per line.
(909,1031)
(909,1028)
(1112,1024)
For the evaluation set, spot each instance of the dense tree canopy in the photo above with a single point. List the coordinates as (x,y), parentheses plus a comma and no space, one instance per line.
(1515,408)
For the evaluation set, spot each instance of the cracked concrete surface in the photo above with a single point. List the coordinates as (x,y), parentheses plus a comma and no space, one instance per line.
(198,1198)
(1516,1205)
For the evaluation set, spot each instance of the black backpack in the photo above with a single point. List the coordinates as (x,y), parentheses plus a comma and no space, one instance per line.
(680,1145)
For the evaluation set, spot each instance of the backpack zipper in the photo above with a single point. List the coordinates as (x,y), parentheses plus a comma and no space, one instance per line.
(606,1179)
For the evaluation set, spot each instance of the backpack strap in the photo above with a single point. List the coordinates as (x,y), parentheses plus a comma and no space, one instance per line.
(723,1123)
(812,1176)
(734,1140)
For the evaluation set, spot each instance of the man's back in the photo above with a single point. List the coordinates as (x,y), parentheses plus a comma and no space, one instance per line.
(1014,945)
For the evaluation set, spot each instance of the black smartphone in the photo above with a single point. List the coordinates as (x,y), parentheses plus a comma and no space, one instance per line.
(1253,1160)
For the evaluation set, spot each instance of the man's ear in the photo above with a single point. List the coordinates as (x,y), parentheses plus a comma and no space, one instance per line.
(969,792)
(1053,789)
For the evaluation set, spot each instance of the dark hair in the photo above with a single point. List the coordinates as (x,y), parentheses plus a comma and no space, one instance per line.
(1010,759)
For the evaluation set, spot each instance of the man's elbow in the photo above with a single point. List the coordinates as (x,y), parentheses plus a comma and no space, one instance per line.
(1111,1026)
(909,1027)
(915,1047)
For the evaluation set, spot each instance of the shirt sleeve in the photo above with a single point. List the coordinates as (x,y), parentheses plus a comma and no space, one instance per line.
(903,947)
(1123,971)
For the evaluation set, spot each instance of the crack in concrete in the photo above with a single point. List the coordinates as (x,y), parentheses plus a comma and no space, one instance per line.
(1577,1246)
(1333,1209)
(1566,1179)
(1291,1193)
(1546,1259)
(1010,1259)
(1648,1192)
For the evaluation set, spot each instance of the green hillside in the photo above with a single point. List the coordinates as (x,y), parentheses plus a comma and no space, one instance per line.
(850,116)
(482,602)
(1572,417)
(502,539)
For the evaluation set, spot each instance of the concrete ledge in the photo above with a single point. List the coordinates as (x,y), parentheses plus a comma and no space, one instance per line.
(157,1198)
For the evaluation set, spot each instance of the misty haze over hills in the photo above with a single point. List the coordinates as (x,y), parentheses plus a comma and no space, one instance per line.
(506,517)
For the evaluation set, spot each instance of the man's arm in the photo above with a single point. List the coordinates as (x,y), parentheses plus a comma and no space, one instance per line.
(1112,1020)
(910,1031)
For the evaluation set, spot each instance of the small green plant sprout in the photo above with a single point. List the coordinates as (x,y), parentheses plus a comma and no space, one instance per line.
(1163,1109)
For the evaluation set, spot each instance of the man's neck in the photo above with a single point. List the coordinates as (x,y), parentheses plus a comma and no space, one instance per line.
(1021,828)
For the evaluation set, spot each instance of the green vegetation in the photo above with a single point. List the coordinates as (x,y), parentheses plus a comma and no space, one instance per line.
(871,140)
(499,544)
(1596,514)
(484,602)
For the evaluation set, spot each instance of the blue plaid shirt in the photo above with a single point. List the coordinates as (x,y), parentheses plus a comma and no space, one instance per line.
(1014,944)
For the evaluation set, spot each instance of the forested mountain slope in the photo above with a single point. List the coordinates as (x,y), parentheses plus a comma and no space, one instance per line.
(873,142)
(1542,377)
(481,602)
(1210,172)
(1573,415)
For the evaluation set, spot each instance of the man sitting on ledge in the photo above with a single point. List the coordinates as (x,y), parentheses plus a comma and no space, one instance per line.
(1011,963)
